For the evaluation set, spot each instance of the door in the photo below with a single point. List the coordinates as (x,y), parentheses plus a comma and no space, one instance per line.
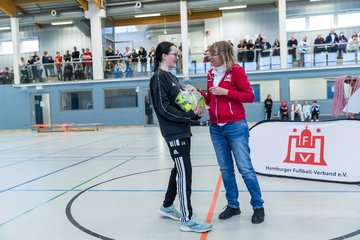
(40,108)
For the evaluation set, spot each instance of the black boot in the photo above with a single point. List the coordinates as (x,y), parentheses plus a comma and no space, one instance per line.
(258,216)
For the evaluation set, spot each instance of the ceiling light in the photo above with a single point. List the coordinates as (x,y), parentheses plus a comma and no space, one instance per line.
(148,15)
(61,23)
(232,7)
(315,0)
(4,28)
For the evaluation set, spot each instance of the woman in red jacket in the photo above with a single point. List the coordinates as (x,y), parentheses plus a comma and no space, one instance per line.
(227,89)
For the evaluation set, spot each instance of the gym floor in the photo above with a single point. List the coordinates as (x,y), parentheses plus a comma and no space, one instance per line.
(110,185)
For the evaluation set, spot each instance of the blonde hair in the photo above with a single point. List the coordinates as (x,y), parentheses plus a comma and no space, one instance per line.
(225,51)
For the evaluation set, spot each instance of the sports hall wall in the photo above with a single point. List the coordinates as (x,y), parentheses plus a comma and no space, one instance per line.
(16,111)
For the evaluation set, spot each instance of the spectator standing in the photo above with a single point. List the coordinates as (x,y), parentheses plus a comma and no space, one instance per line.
(58,65)
(268,103)
(143,60)
(79,72)
(75,55)
(127,56)
(304,50)
(51,66)
(265,47)
(33,66)
(67,56)
(108,71)
(45,62)
(241,51)
(109,52)
(250,51)
(353,45)
(276,48)
(87,57)
(23,70)
(258,40)
(68,71)
(134,60)
(319,44)
(39,69)
(342,46)
(292,45)
(333,39)
(29,63)
(151,58)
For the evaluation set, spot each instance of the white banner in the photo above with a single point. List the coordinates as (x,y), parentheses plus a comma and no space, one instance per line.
(328,151)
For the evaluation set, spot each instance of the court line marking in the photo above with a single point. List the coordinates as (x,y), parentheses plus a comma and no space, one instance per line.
(56,171)
(193,190)
(97,235)
(59,195)
(212,206)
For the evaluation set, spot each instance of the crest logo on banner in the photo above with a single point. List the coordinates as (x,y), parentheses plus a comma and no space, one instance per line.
(306,148)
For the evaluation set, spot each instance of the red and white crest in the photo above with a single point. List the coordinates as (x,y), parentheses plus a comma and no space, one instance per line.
(306,148)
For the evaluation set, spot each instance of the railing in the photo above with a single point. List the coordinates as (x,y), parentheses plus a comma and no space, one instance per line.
(252,60)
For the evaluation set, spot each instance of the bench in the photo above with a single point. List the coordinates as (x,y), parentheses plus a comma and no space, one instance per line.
(67,127)
(324,115)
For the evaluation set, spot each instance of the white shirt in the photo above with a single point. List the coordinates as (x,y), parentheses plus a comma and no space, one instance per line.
(219,73)
(296,108)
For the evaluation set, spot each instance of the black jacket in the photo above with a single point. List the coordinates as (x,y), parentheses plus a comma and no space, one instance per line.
(174,122)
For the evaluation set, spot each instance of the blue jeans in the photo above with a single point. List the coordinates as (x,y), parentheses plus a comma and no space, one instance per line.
(233,138)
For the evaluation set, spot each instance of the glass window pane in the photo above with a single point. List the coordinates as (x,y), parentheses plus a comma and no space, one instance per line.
(76,100)
(29,46)
(308,89)
(321,22)
(295,24)
(347,20)
(121,98)
(6,48)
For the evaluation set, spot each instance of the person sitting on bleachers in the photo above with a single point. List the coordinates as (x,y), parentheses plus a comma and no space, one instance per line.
(315,111)
(284,111)
(296,111)
(306,111)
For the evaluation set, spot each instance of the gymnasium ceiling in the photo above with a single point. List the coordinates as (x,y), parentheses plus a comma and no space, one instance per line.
(118,12)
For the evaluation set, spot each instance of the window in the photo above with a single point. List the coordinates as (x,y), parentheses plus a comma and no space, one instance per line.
(295,24)
(347,20)
(125,29)
(121,98)
(29,46)
(26,46)
(321,22)
(6,48)
(308,89)
(78,100)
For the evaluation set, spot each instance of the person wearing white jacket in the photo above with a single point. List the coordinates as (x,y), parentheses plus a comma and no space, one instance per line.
(296,111)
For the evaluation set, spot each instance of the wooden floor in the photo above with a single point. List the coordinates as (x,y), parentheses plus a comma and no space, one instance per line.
(110,184)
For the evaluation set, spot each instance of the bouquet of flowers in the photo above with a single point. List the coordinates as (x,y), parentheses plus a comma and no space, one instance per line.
(190,100)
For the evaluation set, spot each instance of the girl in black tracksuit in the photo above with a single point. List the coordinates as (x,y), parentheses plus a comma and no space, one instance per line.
(175,127)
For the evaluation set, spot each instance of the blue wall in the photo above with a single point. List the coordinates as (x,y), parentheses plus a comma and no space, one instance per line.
(15,111)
